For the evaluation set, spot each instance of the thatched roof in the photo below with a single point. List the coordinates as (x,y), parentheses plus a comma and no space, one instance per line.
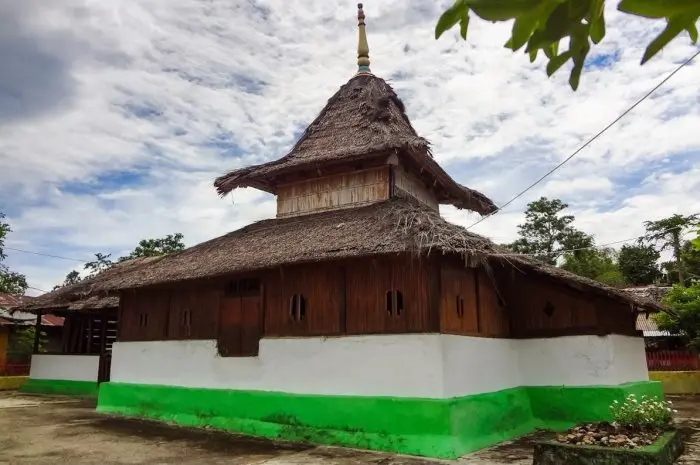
(83,296)
(12,300)
(364,120)
(655,293)
(389,227)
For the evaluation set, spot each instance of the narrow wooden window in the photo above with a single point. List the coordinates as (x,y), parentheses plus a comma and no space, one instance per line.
(297,307)
(460,306)
(548,309)
(394,302)
(186,322)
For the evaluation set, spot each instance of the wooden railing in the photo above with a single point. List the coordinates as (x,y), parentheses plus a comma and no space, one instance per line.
(672,360)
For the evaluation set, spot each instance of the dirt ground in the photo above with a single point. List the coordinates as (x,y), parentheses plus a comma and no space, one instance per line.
(39,430)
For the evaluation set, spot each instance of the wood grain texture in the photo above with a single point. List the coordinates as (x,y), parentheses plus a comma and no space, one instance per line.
(344,190)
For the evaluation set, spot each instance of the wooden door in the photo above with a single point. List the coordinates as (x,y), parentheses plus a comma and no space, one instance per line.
(240,327)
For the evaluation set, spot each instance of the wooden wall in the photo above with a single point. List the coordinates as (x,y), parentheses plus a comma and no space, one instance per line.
(469,303)
(397,294)
(345,190)
(542,307)
(412,185)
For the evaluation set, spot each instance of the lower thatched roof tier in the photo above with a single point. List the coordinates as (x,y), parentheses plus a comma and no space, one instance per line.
(364,120)
(83,295)
(389,227)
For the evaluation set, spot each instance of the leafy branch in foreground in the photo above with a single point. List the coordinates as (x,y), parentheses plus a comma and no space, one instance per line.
(540,25)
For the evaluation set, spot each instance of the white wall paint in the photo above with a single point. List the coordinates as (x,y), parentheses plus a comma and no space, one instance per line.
(406,365)
(65,367)
(582,360)
(478,364)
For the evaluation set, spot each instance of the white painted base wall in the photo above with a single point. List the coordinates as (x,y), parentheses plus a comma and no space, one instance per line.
(64,367)
(406,365)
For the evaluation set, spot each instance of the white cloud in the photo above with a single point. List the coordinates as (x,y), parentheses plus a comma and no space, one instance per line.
(203,75)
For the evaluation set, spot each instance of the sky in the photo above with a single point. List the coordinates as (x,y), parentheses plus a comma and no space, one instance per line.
(115,117)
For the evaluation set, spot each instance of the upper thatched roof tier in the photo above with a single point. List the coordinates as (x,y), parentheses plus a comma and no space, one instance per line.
(364,121)
(393,226)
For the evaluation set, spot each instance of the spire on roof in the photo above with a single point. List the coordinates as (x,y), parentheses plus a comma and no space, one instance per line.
(362,46)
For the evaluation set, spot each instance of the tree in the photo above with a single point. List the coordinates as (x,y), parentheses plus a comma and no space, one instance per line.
(541,25)
(146,248)
(598,264)
(638,263)
(10,282)
(71,278)
(153,247)
(546,233)
(99,264)
(668,233)
(696,242)
(23,341)
(685,317)
(690,257)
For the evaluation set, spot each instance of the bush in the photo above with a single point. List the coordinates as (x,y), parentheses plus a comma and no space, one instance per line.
(642,414)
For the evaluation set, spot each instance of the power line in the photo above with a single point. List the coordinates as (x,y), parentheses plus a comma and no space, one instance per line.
(45,254)
(589,141)
(602,245)
(36,289)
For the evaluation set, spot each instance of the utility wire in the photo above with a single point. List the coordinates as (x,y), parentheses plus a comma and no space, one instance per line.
(45,254)
(589,141)
(602,245)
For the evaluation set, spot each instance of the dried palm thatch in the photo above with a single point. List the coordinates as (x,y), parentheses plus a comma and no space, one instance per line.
(388,227)
(364,120)
(399,225)
(83,295)
(94,303)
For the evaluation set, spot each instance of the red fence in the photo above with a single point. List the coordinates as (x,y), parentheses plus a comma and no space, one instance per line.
(672,360)
(14,370)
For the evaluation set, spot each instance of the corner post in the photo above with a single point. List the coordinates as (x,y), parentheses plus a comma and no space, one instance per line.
(37,332)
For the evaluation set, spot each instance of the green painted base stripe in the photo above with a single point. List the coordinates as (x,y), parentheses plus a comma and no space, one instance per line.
(443,428)
(61,387)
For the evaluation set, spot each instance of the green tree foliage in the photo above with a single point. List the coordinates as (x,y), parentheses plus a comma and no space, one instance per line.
(543,25)
(690,257)
(162,246)
(667,232)
(598,264)
(10,281)
(71,278)
(638,263)
(696,242)
(98,265)
(547,232)
(23,341)
(147,248)
(684,318)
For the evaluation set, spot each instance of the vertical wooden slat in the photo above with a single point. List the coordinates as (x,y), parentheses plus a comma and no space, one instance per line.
(37,333)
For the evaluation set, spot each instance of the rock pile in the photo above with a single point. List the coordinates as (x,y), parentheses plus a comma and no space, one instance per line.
(607,435)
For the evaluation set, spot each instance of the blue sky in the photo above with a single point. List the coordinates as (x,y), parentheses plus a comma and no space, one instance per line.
(115,117)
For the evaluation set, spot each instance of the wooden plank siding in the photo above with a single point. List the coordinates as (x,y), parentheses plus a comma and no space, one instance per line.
(411,184)
(333,192)
(379,295)
(469,303)
(321,287)
(369,309)
(541,307)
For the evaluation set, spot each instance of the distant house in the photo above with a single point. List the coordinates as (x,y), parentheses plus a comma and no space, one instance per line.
(14,352)
(80,359)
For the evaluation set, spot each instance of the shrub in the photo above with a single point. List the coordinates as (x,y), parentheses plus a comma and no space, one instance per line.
(643,413)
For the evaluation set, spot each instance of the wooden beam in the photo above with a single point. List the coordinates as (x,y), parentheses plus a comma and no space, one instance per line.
(37,332)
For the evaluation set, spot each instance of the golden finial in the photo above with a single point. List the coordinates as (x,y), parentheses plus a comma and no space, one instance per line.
(362,46)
